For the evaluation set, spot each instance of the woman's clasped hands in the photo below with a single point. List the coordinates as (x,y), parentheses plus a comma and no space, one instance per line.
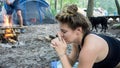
(59,45)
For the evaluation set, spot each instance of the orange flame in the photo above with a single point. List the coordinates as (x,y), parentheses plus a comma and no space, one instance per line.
(6,23)
(9,32)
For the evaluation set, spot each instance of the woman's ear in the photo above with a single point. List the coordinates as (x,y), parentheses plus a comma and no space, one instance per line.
(79,30)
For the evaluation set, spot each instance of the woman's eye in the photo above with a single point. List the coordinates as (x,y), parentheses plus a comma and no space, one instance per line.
(64,31)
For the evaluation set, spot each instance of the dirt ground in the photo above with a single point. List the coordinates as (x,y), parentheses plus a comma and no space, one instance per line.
(32,49)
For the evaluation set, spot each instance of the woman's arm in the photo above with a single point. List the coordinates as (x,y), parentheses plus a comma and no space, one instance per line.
(87,57)
(65,61)
(89,52)
(71,58)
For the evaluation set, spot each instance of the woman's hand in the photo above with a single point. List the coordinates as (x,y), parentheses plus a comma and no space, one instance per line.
(60,45)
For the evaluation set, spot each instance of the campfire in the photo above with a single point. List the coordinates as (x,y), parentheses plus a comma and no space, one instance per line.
(9,33)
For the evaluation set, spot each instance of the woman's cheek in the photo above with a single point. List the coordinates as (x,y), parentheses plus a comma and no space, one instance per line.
(67,40)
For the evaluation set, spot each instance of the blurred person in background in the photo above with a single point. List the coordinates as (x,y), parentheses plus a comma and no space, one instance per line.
(11,6)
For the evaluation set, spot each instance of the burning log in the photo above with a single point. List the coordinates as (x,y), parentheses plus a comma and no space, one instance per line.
(12,40)
(9,33)
(8,36)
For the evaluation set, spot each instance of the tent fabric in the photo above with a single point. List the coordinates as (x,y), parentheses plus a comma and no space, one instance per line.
(35,12)
(42,3)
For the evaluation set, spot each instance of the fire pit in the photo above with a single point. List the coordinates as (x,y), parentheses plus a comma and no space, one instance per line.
(8,32)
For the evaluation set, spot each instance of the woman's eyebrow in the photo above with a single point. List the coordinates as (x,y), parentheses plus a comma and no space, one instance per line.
(62,29)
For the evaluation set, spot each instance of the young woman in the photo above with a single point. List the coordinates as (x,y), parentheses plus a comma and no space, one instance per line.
(92,50)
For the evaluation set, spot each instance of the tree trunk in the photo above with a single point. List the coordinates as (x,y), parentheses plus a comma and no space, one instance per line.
(90,8)
(118,6)
(61,4)
(55,4)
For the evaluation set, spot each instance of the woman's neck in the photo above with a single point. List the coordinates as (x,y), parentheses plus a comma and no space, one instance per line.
(82,38)
(79,40)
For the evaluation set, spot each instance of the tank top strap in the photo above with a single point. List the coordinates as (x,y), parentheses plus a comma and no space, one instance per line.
(83,40)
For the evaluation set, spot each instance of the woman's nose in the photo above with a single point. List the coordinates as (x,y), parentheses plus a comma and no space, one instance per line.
(61,34)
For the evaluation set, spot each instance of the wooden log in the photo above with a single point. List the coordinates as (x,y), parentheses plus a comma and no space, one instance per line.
(1,33)
(15,27)
(12,40)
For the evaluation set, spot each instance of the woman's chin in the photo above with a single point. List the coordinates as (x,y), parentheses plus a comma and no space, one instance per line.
(68,42)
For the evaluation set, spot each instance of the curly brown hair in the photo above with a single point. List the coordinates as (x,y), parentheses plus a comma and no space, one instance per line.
(73,19)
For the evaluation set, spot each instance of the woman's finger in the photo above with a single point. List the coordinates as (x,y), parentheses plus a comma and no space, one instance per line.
(63,41)
(52,45)
(59,36)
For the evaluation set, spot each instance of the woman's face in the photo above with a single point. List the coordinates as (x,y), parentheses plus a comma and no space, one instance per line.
(69,35)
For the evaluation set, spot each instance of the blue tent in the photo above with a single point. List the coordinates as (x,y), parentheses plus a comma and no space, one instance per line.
(35,12)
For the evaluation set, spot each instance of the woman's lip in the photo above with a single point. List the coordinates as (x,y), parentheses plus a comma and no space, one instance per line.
(65,40)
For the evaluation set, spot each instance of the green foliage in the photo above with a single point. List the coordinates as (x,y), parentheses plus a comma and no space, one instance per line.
(1,3)
(54,11)
(108,5)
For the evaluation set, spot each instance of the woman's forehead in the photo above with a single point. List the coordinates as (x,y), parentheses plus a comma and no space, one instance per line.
(64,26)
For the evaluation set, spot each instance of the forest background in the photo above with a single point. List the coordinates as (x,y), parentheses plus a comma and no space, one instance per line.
(108,5)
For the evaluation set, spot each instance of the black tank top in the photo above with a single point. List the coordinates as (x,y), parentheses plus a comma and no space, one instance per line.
(113,57)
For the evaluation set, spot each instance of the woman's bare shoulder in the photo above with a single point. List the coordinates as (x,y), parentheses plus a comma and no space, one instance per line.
(93,40)
(90,44)
(95,46)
